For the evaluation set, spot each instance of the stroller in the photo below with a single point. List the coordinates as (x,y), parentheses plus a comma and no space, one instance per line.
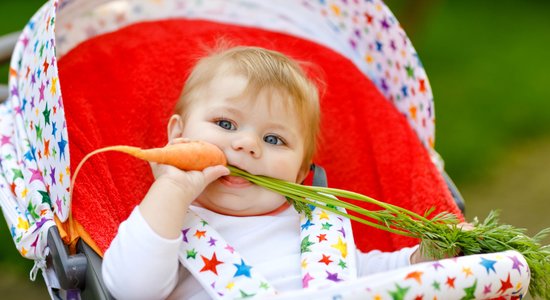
(87,74)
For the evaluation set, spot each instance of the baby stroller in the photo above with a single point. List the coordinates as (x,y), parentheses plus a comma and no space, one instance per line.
(87,74)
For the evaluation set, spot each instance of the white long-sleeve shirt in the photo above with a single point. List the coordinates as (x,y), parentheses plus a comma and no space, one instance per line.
(140,264)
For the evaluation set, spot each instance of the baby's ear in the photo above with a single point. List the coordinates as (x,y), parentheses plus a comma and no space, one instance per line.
(175,127)
(302,174)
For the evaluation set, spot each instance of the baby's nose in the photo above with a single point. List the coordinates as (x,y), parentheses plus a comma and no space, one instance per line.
(249,143)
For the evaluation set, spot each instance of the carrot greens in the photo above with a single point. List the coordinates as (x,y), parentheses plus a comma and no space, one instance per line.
(441,234)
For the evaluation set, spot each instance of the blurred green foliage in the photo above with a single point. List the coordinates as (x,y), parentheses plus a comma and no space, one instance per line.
(13,17)
(488,66)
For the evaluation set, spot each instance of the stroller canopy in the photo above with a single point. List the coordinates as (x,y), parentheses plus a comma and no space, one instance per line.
(35,155)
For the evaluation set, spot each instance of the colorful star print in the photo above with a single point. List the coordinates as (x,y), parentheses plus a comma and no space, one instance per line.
(505,284)
(217,261)
(326,226)
(307,224)
(306,243)
(242,269)
(333,277)
(342,264)
(469,292)
(341,246)
(416,275)
(450,282)
(245,295)
(200,233)
(184,234)
(488,264)
(26,133)
(517,263)
(399,292)
(210,264)
(437,265)
(467,271)
(326,259)
(191,254)
(307,278)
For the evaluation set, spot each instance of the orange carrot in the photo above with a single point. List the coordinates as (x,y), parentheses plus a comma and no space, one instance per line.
(194,155)
(189,156)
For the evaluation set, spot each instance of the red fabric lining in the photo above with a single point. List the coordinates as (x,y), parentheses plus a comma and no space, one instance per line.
(120,88)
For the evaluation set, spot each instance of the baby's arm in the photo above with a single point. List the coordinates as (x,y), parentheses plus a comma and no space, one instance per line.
(376,261)
(142,260)
(140,264)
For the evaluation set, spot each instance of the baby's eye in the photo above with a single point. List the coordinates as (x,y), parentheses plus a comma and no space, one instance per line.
(273,139)
(225,124)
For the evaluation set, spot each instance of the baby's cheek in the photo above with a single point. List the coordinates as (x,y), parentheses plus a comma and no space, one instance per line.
(284,170)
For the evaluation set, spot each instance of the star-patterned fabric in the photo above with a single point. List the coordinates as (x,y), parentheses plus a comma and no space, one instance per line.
(329,268)
(327,249)
(327,257)
(34,151)
(503,275)
(217,265)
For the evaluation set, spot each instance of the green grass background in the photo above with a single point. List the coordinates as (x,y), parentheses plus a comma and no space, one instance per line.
(489,68)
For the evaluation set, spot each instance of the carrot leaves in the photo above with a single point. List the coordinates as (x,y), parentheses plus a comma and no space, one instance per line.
(441,234)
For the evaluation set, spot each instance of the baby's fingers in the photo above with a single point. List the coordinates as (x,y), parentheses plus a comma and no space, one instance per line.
(214,172)
(465,226)
(179,140)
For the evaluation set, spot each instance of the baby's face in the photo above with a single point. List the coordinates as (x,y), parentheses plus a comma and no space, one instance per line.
(260,136)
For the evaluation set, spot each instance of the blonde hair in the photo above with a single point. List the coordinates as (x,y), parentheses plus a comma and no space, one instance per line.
(264,69)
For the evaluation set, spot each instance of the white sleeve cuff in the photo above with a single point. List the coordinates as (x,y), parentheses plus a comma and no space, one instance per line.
(377,261)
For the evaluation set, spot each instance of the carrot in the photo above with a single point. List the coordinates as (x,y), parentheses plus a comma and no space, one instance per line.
(188,156)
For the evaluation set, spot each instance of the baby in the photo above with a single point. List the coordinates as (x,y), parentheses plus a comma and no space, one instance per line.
(206,234)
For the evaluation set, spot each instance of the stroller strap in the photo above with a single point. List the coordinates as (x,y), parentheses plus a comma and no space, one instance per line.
(327,256)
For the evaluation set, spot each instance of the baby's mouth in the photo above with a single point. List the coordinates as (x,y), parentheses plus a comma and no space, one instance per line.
(234,181)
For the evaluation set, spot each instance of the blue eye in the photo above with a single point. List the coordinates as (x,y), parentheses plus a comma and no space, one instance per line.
(227,125)
(273,139)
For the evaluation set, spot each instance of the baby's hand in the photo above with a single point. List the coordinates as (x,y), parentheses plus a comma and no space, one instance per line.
(166,204)
(188,184)
(192,183)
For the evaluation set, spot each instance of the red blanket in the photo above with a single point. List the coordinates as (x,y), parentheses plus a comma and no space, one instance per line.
(120,88)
